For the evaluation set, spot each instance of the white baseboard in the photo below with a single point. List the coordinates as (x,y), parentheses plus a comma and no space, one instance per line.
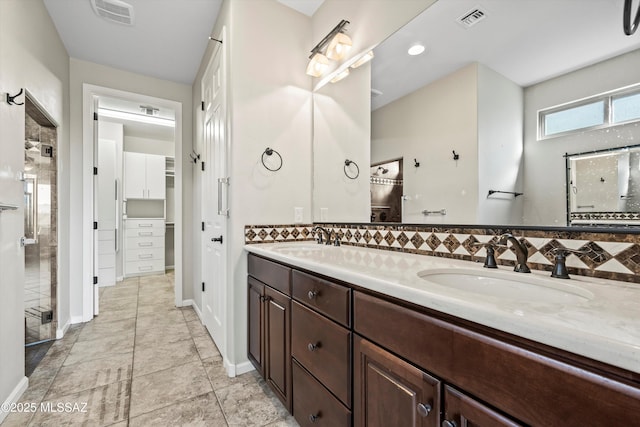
(60,331)
(239,369)
(14,396)
(76,319)
(192,303)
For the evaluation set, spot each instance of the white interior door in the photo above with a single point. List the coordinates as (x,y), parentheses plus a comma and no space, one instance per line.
(107,211)
(214,209)
(96,212)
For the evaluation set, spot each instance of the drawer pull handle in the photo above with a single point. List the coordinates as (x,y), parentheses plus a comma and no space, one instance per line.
(314,417)
(145,225)
(424,409)
(312,294)
(145,233)
(447,423)
(145,256)
(312,347)
(145,244)
(149,268)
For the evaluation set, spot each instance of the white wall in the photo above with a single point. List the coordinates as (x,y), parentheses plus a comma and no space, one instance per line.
(500,147)
(428,125)
(83,72)
(32,57)
(544,164)
(149,146)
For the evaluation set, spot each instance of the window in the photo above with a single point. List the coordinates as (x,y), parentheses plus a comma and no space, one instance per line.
(597,112)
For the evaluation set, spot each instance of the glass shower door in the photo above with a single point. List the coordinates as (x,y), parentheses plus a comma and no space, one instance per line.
(40,250)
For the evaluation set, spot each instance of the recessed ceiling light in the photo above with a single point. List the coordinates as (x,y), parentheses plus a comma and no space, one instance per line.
(416,49)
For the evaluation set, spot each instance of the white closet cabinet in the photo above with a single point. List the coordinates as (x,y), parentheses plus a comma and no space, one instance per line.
(144,246)
(144,176)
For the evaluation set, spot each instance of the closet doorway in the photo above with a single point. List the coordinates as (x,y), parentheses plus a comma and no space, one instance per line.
(135,143)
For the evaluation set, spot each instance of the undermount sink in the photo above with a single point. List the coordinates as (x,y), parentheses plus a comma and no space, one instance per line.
(509,286)
(299,246)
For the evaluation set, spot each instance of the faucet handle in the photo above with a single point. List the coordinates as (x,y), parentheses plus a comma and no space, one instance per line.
(490,259)
(560,268)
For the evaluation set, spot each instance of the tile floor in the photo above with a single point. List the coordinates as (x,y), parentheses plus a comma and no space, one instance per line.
(143,362)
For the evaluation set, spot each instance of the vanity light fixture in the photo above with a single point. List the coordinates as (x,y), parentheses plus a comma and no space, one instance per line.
(318,65)
(334,45)
(416,49)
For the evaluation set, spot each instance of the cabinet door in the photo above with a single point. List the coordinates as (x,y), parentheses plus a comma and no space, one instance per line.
(390,392)
(256,325)
(461,410)
(277,338)
(155,178)
(134,175)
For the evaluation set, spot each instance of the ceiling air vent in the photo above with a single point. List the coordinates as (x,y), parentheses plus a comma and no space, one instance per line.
(472,17)
(114,11)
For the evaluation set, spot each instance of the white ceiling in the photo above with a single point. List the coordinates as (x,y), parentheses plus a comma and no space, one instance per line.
(308,7)
(167,40)
(527,41)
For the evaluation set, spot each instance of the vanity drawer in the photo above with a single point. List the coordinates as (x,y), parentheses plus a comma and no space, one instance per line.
(426,341)
(270,273)
(323,348)
(145,242)
(313,405)
(326,297)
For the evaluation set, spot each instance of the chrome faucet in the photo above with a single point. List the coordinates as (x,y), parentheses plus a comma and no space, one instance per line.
(521,252)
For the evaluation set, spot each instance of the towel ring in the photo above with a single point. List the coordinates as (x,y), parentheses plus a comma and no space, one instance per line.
(348,163)
(269,152)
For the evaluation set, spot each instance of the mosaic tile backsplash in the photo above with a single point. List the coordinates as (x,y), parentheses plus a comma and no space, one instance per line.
(607,255)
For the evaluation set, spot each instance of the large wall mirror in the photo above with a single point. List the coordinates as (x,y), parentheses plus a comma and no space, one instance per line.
(464,116)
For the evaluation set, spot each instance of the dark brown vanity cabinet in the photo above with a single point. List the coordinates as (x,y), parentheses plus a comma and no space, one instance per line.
(337,354)
(390,392)
(269,325)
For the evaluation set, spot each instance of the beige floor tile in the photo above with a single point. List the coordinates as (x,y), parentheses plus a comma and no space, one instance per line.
(201,411)
(163,388)
(157,358)
(190,314)
(288,421)
(83,351)
(17,419)
(219,378)
(91,374)
(160,298)
(161,336)
(98,330)
(158,320)
(197,328)
(125,303)
(105,406)
(162,307)
(120,292)
(251,404)
(206,348)
(115,315)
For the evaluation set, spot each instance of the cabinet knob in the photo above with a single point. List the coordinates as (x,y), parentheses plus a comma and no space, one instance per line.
(312,346)
(448,423)
(313,418)
(424,409)
(312,294)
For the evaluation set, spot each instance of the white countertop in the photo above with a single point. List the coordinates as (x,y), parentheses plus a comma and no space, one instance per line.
(604,327)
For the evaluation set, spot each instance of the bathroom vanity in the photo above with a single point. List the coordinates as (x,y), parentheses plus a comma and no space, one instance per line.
(355,336)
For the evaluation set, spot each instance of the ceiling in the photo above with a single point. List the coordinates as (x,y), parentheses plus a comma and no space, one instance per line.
(308,7)
(167,40)
(527,41)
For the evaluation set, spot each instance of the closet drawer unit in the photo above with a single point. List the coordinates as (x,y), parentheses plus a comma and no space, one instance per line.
(144,242)
(313,405)
(145,254)
(323,348)
(326,297)
(144,232)
(141,267)
(144,223)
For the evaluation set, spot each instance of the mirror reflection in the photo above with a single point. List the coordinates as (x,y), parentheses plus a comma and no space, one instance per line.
(467,108)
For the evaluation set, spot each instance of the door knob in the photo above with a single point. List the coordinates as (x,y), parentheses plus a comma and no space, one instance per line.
(216,239)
